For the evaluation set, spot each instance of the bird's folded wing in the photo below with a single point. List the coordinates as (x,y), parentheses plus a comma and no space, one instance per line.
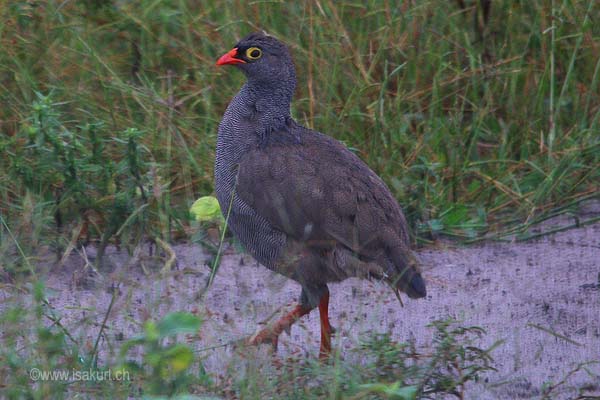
(321,193)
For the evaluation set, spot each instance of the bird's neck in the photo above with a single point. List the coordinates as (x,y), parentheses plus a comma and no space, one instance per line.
(271,100)
(256,113)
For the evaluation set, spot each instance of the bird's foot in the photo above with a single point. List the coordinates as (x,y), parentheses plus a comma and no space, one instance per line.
(271,333)
(265,336)
(325,349)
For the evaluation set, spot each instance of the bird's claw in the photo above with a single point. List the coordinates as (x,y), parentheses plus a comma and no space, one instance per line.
(264,336)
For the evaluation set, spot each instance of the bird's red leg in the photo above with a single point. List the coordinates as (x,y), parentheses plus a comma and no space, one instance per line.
(326,328)
(271,333)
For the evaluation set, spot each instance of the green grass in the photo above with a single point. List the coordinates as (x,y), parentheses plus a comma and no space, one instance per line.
(477,125)
(482,122)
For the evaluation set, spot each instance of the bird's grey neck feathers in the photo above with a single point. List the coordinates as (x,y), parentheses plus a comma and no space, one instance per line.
(257,113)
(271,96)
(269,100)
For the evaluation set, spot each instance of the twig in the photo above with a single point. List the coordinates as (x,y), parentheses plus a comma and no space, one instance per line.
(95,350)
(170,252)
(72,243)
(217,260)
(18,246)
(555,334)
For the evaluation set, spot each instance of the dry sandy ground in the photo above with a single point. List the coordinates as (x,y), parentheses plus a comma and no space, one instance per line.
(506,288)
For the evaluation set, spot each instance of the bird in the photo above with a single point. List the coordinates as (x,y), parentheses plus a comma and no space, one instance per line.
(299,201)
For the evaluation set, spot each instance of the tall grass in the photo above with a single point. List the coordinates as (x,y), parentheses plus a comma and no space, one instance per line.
(476,114)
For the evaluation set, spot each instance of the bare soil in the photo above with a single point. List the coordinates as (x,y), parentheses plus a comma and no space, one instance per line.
(541,298)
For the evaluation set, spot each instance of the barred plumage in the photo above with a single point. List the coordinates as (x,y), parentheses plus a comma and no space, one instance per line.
(303,205)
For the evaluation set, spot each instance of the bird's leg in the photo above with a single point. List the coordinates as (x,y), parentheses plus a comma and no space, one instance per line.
(326,328)
(271,333)
(310,298)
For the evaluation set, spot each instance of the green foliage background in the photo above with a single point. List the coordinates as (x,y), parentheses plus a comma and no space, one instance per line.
(479,115)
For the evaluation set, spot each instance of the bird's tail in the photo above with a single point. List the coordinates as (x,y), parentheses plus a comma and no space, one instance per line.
(405,273)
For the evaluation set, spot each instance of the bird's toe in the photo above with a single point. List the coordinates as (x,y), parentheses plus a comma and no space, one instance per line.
(264,336)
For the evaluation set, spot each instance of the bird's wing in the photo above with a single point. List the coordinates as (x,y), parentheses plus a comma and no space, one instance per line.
(319,192)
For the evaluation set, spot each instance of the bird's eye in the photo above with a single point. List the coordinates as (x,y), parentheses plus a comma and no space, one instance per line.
(253,53)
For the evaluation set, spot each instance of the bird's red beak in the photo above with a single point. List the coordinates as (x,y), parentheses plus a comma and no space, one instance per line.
(230,58)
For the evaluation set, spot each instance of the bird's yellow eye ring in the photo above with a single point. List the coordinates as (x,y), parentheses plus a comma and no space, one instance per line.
(253,53)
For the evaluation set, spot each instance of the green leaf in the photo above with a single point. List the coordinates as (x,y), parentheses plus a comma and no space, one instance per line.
(456,215)
(178,322)
(392,391)
(38,291)
(206,209)
(129,367)
(136,341)
(183,396)
(406,392)
(151,331)
(179,357)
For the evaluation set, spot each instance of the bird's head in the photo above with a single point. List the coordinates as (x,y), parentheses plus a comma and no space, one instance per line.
(262,58)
